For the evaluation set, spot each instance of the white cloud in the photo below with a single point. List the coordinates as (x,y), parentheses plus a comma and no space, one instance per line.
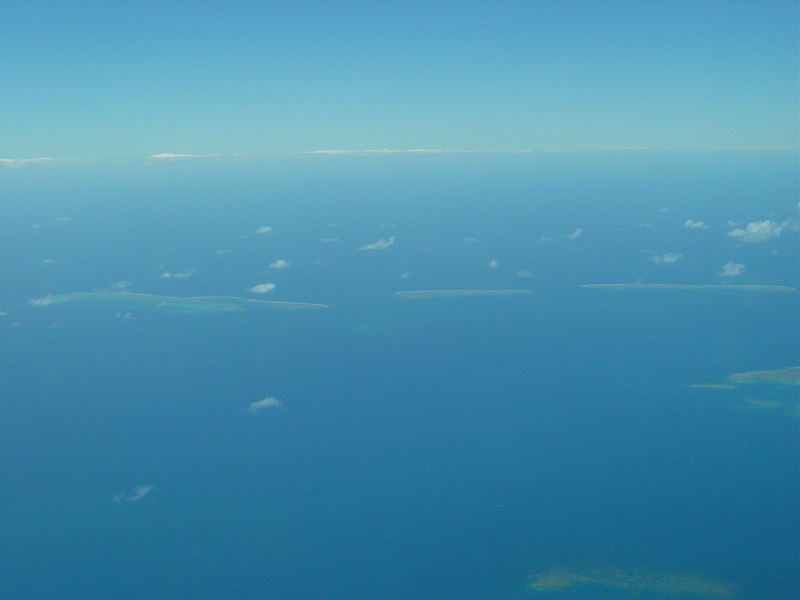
(689,224)
(261,288)
(121,285)
(405,275)
(48,261)
(281,263)
(128,316)
(667,258)
(758,231)
(575,234)
(21,162)
(381,244)
(182,275)
(546,239)
(397,151)
(171,156)
(731,269)
(264,229)
(665,209)
(268,402)
(42,301)
(494,263)
(136,494)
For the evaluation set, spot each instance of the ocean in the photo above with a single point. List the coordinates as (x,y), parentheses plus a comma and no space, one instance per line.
(454,447)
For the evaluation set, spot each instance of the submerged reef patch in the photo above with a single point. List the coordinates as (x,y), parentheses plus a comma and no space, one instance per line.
(183,304)
(633,580)
(427,294)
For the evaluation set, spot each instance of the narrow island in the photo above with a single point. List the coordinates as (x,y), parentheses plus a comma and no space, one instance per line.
(427,294)
(183,304)
(633,580)
(688,286)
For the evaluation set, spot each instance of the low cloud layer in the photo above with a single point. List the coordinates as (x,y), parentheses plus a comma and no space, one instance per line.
(667,258)
(758,231)
(731,269)
(181,275)
(136,494)
(261,288)
(268,402)
(575,234)
(381,244)
(689,224)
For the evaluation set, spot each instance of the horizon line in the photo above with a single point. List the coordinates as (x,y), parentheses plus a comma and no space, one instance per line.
(179,156)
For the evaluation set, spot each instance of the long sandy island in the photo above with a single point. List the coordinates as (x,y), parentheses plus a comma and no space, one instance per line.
(175,303)
(687,286)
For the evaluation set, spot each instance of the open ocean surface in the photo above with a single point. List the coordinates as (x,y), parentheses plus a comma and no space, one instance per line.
(440,449)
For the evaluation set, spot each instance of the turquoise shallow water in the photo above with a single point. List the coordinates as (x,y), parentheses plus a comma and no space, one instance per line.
(440,448)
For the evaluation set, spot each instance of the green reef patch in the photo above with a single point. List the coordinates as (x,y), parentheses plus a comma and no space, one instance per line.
(181,304)
(776,385)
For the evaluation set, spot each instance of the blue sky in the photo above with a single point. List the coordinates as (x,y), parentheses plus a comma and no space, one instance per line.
(116,79)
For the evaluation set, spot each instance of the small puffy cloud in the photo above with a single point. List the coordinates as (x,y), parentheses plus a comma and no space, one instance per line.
(42,301)
(48,261)
(268,402)
(182,275)
(381,244)
(281,263)
(689,224)
(546,240)
(263,230)
(127,316)
(405,275)
(493,264)
(330,240)
(575,234)
(121,285)
(667,258)
(731,269)
(758,231)
(261,288)
(136,494)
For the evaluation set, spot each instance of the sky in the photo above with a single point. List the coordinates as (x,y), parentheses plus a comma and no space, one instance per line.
(128,79)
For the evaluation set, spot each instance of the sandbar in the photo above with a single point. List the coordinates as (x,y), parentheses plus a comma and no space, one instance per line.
(427,294)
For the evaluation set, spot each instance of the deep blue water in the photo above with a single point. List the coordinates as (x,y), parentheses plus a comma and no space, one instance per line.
(437,449)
